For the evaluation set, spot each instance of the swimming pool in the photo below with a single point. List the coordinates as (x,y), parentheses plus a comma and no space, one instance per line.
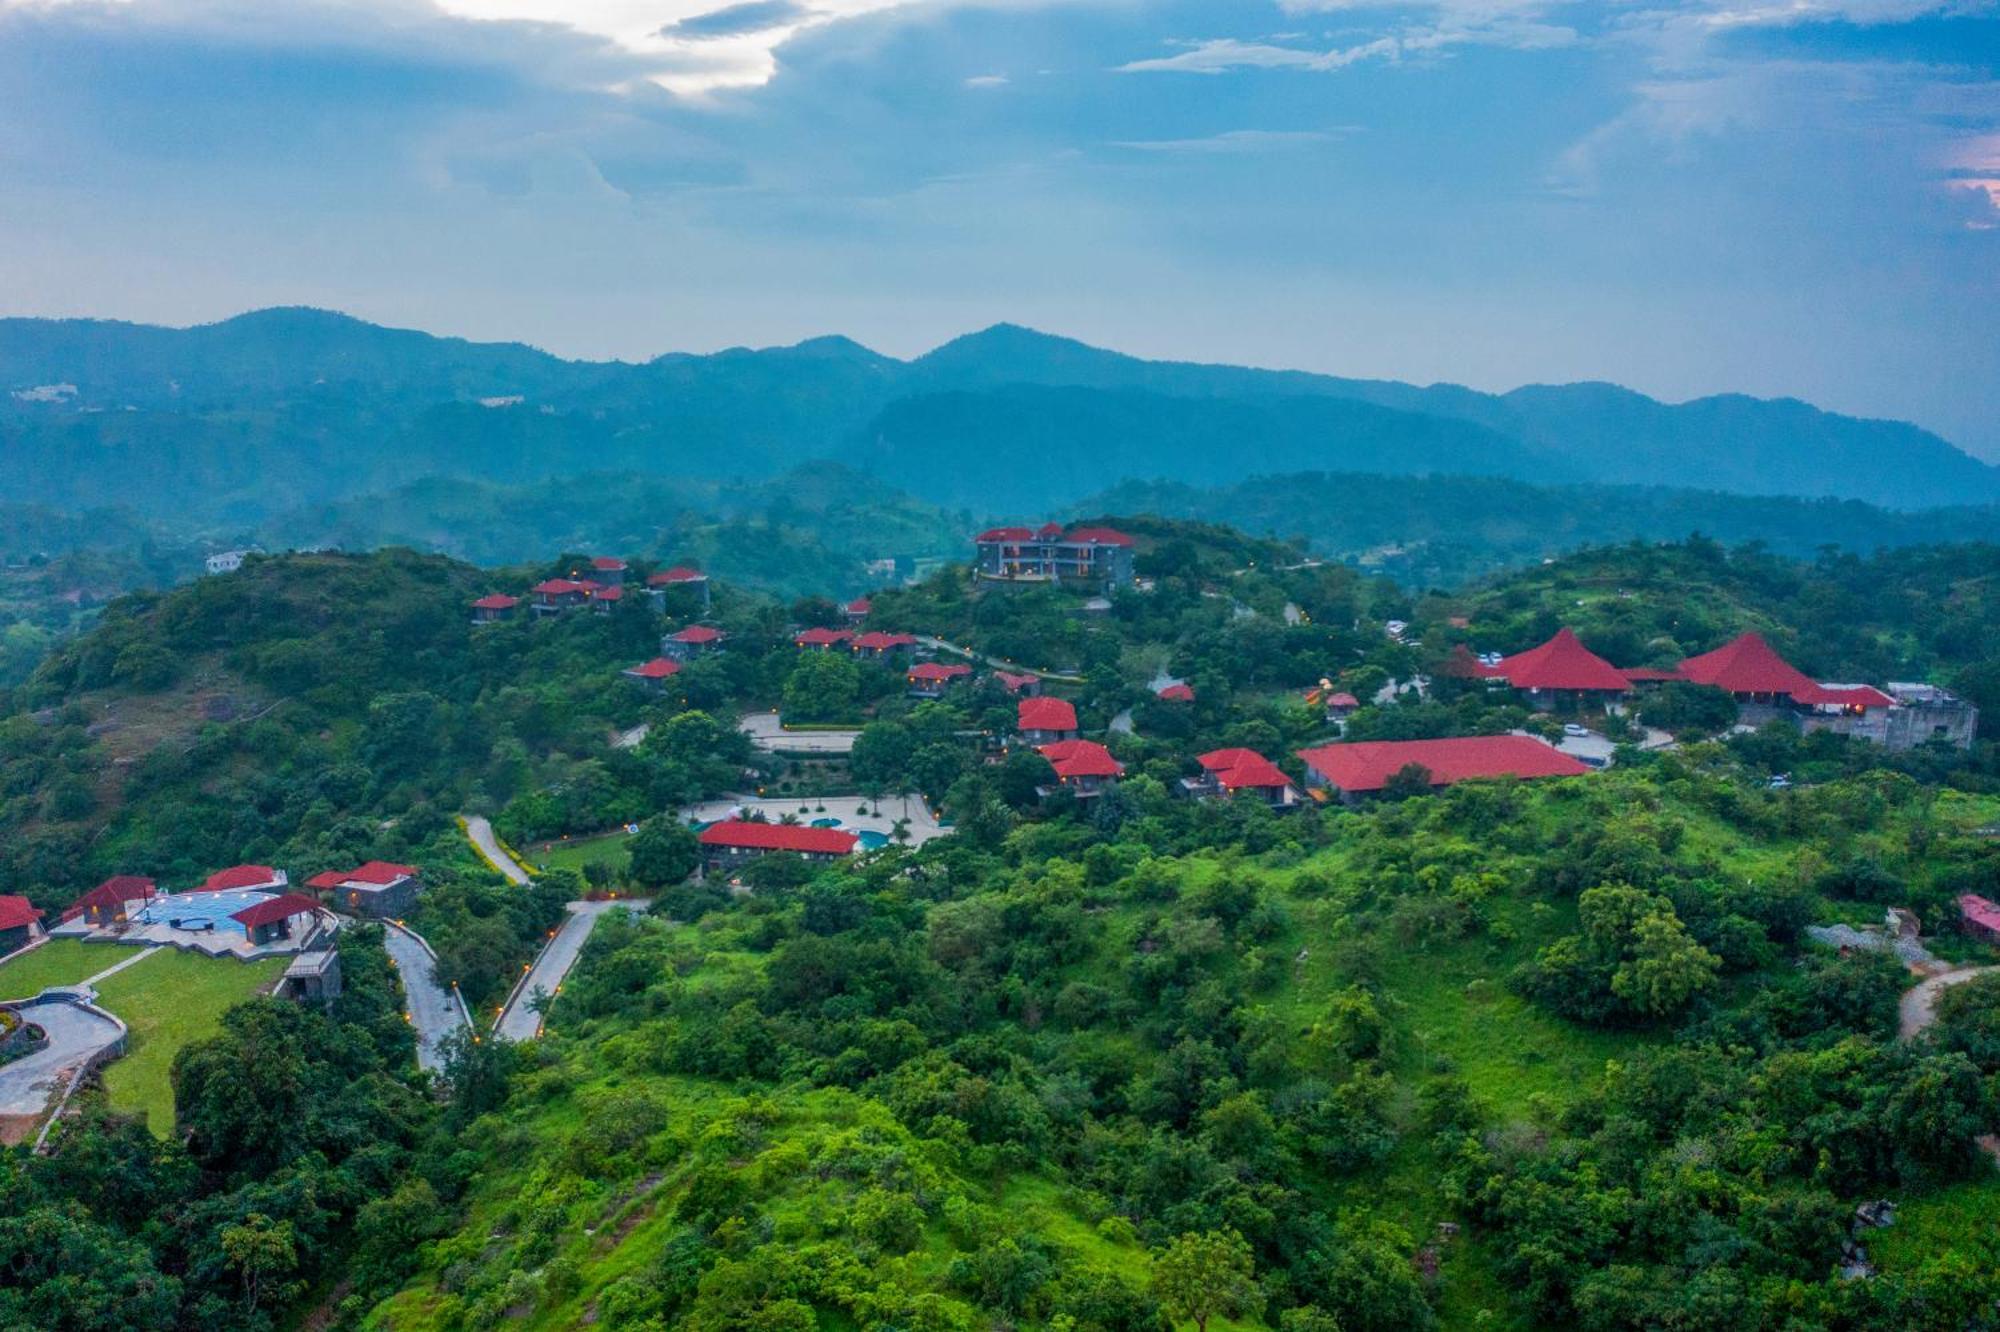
(198,911)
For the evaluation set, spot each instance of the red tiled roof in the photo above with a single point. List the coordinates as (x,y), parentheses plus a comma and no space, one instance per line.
(1177,693)
(1096,536)
(822,637)
(1747,664)
(608,593)
(859,606)
(778,837)
(498,601)
(1235,768)
(698,633)
(114,891)
(1561,663)
(1081,758)
(382,872)
(1979,911)
(608,564)
(1343,700)
(938,671)
(1006,534)
(17,911)
(327,879)
(239,876)
(877,640)
(1011,682)
(274,909)
(1080,536)
(1047,714)
(1368,765)
(555,587)
(659,668)
(1844,696)
(680,573)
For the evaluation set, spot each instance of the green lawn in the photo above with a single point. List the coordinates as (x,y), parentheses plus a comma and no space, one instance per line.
(57,962)
(168,1000)
(574,854)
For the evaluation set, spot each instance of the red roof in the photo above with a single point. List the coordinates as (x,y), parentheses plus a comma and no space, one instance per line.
(1747,665)
(878,641)
(822,637)
(1081,758)
(680,573)
(859,606)
(1013,683)
(1047,714)
(659,668)
(1080,536)
(1844,696)
(556,587)
(274,909)
(240,876)
(113,892)
(608,593)
(1177,693)
(327,879)
(1561,663)
(778,837)
(1343,700)
(1979,911)
(935,671)
(1462,665)
(17,911)
(498,601)
(1236,768)
(1005,534)
(698,633)
(1096,536)
(608,564)
(1368,765)
(382,872)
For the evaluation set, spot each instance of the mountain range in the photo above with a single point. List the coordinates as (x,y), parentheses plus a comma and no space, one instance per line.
(279,410)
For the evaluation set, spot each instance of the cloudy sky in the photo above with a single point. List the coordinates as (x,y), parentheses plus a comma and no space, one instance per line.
(1773,196)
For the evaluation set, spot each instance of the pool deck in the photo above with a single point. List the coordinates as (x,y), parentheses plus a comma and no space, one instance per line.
(225,940)
(923,824)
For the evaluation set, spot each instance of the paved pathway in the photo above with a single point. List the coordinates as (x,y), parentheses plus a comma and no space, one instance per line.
(1919,1003)
(923,824)
(998,664)
(767,732)
(28,1084)
(519,1021)
(481,833)
(434,1010)
(117,967)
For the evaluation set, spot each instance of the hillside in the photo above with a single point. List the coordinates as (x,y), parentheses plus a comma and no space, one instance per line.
(246,418)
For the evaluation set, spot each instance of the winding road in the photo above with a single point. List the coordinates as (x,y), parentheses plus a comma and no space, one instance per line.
(518,1020)
(480,832)
(434,1010)
(940,645)
(1919,1002)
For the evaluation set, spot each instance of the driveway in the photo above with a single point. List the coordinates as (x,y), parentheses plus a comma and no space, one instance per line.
(28,1085)
(519,1021)
(434,1010)
(481,833)
(1919,1003)
(997,663)
(923,824)
(767,733)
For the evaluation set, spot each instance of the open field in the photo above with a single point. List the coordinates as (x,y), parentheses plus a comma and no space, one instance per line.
(169,1000)
(57,962)
(576,852)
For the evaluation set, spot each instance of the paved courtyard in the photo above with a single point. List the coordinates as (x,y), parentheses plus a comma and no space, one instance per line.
(28,1084)
(923,824)
(767,732)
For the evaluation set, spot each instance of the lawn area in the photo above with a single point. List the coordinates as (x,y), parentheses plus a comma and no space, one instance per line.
(168,1000)
(57,962)
(609,849)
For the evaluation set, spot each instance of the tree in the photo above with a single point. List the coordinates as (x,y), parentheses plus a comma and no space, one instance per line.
(260,1249)
(1198,1276)
(664,851)
(823,687)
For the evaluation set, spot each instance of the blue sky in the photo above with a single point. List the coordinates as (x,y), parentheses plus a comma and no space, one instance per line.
(1796,197)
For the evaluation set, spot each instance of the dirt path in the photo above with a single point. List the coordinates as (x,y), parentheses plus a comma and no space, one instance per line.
(1919,1003)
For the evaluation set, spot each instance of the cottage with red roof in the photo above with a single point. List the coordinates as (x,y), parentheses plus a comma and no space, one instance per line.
(112,901)
(1021,686)
(604,600)
(817,639)
(930,679)
(1176,693)
(1045,721)
(877,645)
(857,610)
(286,916)
(1560,674)
(691,642)
(553,596)
(245,879)
(653,675)
(1979,917)
(1089,558)
(492,609)
(1084,768)
(1363,768)
(735,842)
(608,570)
(1230,773)
(1767,687)
(681,580)
(377,888)
(20,922)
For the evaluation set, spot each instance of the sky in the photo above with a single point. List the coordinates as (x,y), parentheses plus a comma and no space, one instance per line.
(1779,197)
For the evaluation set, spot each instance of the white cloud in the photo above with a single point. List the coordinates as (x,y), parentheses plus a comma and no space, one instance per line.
(987,81)
(1236,141)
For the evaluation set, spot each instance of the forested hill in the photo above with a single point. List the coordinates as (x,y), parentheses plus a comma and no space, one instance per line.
(279,408)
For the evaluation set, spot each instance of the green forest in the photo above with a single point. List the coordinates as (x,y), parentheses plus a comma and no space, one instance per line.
(1506,1054)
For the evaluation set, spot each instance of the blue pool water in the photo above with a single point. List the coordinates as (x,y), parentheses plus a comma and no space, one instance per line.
(211,909)
(872,840)
(826,823)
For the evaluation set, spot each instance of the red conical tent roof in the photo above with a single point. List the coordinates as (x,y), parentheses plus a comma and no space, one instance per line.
(1747,664)
(1561,663)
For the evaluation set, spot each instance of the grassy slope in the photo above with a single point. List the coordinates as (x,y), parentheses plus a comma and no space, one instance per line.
(57,962)
(168,1000)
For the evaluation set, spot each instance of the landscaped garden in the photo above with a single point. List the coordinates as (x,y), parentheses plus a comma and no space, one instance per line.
(170,1000)
(57,962)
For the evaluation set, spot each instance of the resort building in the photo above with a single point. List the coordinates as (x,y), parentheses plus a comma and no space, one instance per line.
(1021,686)
(553,596)
(288,916)
(608,570)
(930,679)
(653,675)
(1093,558)
(1230,773)
(679,578)
(877,645)
(821,640)
(691,642)
(1560,675)
(1355,770)
(857,610)
(1175,693)
(245,879)
(735,842)
(1084,768)
(113,901)
(20,922)
(1045,721)
(377,888)
(495,608)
